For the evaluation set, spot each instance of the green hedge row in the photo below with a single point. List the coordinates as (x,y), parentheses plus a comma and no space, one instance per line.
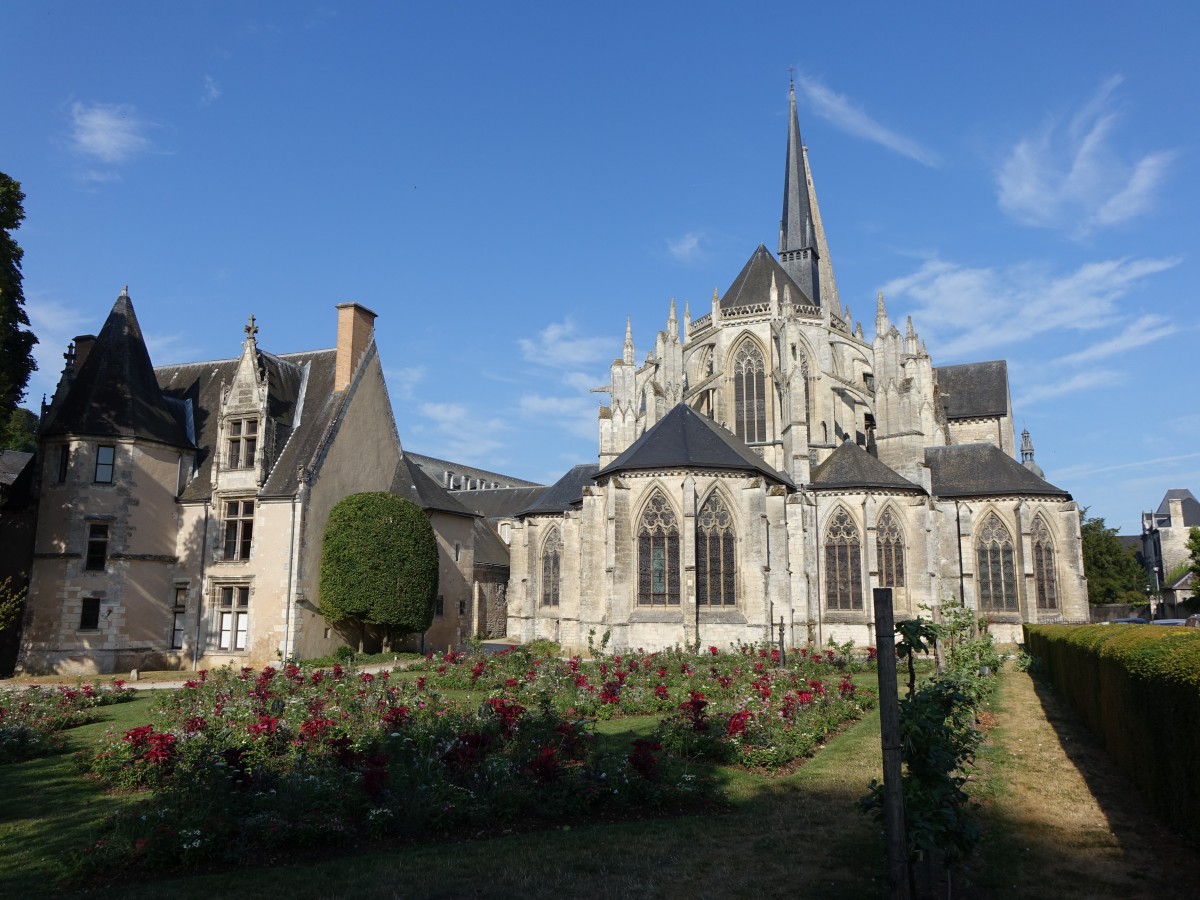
(1137,688)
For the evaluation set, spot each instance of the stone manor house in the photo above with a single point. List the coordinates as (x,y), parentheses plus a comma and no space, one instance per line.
(766,463)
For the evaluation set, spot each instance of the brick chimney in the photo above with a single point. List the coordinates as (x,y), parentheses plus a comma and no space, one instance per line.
(356,329)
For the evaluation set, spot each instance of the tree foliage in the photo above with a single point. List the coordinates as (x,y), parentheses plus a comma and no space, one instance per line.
(20,432)
(1113,573)
(379,566)
(1193,545)
(16,340)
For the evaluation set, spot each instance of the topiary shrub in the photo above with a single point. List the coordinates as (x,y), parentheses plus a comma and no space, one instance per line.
(379,566)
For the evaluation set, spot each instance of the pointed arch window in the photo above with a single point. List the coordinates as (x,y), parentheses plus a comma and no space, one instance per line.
(658,554)
(889,548)
(996,570)
(749,394)
(1043,565)
(843,563)
(715,556)
(551,567)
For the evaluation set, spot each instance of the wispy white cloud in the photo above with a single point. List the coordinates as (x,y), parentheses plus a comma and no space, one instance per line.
(461,435)
(575,414)
(687,247)
(843,113)
(559,346)
(55,323)
(109,132)
(1081,381)
(1139,333)
(967,311)
(168,349)
(210,93)
(1070,176)
(402,381)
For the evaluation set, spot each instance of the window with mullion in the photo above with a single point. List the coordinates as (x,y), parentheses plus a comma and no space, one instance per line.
(715,575)
(105,461)
(243,443)
(749,394)
(843,564)
(233,610)
(996,570)
(889,544)
(1043,566)
(551,564)
(658,555)
(239,529)
(97,547)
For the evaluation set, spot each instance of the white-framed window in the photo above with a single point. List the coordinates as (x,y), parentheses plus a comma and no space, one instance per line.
(239,529)
(233,616)
(243,443)
(106,457)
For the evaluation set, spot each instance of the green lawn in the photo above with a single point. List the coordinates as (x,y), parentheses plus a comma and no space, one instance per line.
(793,830)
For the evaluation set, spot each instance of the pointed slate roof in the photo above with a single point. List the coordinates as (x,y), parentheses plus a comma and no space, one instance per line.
(1191,507)
(115,393)
(983,470)
(974,390)
(411,483)
(850,466)
(753,283)
(685,439)
(564,493)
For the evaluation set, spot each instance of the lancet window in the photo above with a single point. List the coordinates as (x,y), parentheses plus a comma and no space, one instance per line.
(843,563)
(889,549)
(716,575)
(996,570)
(1043,565)
(551,567)
(658,554)
(749,394)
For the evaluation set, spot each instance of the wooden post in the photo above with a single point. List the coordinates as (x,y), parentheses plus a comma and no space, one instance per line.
(889,728)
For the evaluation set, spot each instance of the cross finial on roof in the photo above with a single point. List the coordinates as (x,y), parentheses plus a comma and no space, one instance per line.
(251,328)
(125,292)
(792,75)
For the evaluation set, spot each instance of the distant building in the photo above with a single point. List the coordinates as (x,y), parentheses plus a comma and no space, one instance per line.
(1163,543)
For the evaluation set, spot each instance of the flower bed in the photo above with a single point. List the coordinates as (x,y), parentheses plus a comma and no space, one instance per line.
(239,765)
(32,720)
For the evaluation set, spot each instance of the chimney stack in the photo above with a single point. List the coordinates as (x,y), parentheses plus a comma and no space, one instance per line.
(83,346)
(356,330)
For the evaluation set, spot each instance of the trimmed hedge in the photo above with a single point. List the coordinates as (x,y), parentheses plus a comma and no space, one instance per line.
(1137,687)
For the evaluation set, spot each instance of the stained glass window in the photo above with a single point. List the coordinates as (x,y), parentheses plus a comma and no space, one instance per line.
(715,566)
(749,394)
(996,572)
(551,562)
(1043,565)
(889,546)
(843,563)
(658,554)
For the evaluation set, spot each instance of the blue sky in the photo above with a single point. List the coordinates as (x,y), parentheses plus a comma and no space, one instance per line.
(504,183)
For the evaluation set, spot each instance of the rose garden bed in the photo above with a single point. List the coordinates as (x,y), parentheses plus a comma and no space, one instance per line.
(240,767)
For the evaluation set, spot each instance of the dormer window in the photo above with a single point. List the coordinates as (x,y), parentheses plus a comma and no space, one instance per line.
(243,443)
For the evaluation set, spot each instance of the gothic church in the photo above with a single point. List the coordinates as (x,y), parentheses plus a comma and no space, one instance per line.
(769,464)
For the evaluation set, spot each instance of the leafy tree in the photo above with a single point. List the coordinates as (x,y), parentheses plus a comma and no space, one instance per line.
(379,566)
(20,432)
(16,341)
(1193,546)
(1113,573)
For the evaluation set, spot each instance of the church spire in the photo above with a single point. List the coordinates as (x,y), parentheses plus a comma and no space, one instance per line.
(672,322)
(803,250)
(628,354)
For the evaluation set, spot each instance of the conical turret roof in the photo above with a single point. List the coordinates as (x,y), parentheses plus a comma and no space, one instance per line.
(115,393)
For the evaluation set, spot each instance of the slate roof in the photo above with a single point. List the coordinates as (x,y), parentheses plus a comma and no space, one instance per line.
(411,482)
(489,549)
(301,403)
(12,464)
(432,465)
(564,493)
(685,439)
(495,503)
(850,466)
(983,470)
(753,283)
(974,390)
(1191,507)
(115,392)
